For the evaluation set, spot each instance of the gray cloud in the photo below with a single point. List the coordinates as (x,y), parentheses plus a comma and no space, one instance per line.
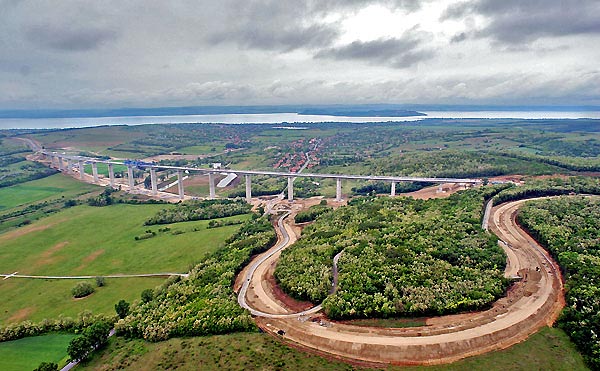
(67,38)
(85,53)
(517,21)
(396,52)
(287,25)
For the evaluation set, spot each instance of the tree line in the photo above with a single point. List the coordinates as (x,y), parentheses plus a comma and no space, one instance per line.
(569,227)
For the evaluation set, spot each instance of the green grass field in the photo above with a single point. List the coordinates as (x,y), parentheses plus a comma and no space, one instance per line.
(28,353)
(549,349)
(54,186)
(85,240)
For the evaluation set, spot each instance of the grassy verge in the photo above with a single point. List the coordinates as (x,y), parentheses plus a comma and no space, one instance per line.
(549,349)
(28,353)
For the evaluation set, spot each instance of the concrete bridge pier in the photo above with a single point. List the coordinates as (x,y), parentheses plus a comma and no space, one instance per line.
(60,163)
(130,177)
(180,184)
(111,175)
(290,189)
(211,186)
(393,192)
(95,171)
(153,181)
(338,189)
(69,166)
(248,189)
(81,169)
(54,162)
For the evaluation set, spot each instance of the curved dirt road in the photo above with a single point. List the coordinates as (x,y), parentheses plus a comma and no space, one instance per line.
(531,303)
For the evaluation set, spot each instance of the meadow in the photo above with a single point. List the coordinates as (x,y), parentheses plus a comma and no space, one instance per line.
(85,240)
(28,353)
(55,186)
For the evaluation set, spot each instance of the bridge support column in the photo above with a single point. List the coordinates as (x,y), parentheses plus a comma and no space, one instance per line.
(290,189)
(130,177)
(180,184)
(111,175)
(338,189)
(211,186)
(60,163)
(81,169)
(53,161)
(248,188)
(393,192)
(153,181)
(95,171)
(69,166)
(440,189)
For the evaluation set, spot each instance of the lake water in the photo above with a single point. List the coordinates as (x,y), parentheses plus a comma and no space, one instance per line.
(279,118)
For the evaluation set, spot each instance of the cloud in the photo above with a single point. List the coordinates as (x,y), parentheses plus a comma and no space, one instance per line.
(401,52)
(67,38)
(517,21)
(286,25)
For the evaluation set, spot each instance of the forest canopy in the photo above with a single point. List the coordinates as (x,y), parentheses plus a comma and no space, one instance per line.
(400,257)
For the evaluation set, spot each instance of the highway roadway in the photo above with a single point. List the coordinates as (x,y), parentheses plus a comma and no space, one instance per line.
(279,174)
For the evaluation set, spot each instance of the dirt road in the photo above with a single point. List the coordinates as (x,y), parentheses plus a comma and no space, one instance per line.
(531,303)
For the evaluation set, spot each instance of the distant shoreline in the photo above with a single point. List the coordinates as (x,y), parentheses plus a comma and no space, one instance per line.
(280,119)
(335,110)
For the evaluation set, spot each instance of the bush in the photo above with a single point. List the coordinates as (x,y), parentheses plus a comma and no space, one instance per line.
(27,328)
(122,308)
(81,290)
(47,366)
(147,295)
(200,210)
(100,281)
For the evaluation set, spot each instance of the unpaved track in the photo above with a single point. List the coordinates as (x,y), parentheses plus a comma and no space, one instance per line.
(531,303)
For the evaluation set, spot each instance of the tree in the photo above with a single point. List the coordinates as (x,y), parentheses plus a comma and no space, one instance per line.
(97,333)
(79,348)
(47,366)
(147,295)
(122,308)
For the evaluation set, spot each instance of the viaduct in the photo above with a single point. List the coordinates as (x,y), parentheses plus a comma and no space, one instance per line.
(65,163)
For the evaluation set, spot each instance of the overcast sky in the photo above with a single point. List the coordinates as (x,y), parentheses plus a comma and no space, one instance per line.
(93,54)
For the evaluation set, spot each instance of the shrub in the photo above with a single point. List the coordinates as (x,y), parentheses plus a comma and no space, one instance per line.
(100,281)
(81,290)
(27,328)
(47,366)
(147,295)
(122,308)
